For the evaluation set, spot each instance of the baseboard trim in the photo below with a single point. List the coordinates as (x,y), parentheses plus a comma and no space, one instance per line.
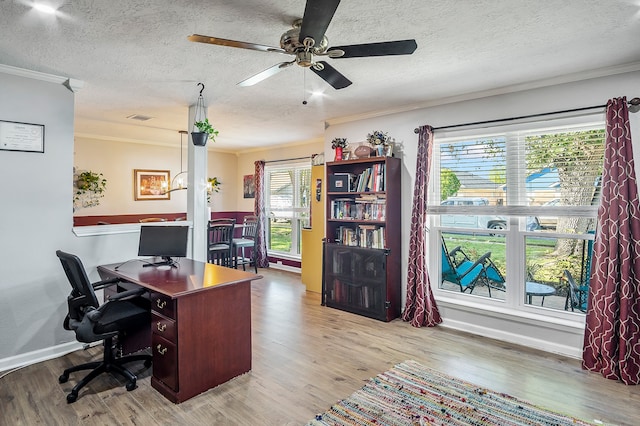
(40,355)
(518,339)
(282,267)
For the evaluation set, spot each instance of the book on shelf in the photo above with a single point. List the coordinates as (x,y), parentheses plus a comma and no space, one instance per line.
(365,207)
(371,179)
(364,235)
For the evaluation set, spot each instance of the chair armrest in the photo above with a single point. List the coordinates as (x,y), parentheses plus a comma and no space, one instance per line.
(481,261)
(84,329)
(105,283)
(453,252)
(126,295)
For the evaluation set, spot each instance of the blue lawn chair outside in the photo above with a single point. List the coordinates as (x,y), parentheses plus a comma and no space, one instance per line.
(465,273)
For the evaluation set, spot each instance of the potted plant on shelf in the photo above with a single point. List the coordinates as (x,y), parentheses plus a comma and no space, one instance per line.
(339,144)
(205,131)
(378,140)
(90,187)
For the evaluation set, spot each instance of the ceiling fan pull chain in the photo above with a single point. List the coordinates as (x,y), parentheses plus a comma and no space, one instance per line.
(304,87)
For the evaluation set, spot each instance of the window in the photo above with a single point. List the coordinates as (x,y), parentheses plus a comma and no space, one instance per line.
(523,200)
(287,206)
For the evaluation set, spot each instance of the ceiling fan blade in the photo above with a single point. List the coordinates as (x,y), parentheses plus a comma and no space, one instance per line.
(331,76)
(387,48)
(316,19)
(233,43)
(263,75)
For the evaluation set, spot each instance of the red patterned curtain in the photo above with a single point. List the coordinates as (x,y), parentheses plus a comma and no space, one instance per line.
(262,260)
(612,334)
(420,307)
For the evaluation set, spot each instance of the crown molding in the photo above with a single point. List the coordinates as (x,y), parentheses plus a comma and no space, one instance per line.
(536,84)
(71,83)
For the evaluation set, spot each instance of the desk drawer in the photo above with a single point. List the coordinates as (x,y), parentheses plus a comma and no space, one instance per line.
(163,326)
(165,361)
(163,305)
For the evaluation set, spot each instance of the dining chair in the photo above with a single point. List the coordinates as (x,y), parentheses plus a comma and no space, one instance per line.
(247,240)
(152,219)
(220,241)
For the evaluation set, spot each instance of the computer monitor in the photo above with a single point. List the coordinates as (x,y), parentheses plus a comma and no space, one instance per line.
(163,241)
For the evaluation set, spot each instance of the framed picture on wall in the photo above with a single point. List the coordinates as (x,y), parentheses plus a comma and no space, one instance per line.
(151,185)
(25,137)
(249,186)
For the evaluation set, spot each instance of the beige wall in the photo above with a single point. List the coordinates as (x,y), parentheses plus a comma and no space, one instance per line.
(116,160)
(246,164)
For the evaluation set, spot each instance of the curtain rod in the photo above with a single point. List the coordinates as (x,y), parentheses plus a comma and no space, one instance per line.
(634,102)
(288,159)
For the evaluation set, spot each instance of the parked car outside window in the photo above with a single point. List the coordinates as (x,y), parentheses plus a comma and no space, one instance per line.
(477,221)
(549,222)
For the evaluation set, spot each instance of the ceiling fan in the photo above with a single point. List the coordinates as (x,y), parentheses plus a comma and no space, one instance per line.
(307,39)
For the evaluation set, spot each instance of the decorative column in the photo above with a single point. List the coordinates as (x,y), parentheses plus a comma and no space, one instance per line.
(197,192)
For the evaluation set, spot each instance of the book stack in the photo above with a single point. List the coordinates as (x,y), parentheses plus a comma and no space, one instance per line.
(371,236)
(367,236)
(371,179)
(371,207)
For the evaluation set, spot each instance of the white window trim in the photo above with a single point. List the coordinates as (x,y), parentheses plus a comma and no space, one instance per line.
(514,305)
(296,236)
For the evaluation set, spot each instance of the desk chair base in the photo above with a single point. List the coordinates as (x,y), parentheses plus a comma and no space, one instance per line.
(109,364)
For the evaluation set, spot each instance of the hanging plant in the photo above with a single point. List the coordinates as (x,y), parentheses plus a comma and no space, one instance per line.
(205,129)
(89,188)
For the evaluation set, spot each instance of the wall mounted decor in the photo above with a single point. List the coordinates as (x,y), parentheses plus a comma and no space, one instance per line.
(26,137)
(151,185)
(249,186)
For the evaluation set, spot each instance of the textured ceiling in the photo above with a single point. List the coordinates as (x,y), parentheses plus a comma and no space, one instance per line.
(134,58)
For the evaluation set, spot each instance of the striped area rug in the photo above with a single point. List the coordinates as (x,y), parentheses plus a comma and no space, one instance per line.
(411,394)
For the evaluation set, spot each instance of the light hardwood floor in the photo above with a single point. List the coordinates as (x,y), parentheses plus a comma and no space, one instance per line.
(305,358)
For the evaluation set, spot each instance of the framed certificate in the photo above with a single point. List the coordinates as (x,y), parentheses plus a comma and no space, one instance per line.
(26,137)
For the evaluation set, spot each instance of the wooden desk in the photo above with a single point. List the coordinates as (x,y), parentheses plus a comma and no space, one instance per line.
(201,323)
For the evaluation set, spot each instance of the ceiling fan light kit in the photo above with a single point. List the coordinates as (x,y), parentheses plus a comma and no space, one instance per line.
(307,39)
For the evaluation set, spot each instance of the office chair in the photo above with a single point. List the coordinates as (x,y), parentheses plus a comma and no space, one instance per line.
(246,240)
(219,241)
(93,322)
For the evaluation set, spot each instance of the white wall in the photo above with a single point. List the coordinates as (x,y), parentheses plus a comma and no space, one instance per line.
(537,331)
(36,218)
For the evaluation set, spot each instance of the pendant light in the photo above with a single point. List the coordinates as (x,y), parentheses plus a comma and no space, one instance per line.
(179,181)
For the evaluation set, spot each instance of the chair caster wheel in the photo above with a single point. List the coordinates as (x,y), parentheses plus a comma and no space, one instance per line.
(131,386)
(72,397)
(147,363)
(63,378)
